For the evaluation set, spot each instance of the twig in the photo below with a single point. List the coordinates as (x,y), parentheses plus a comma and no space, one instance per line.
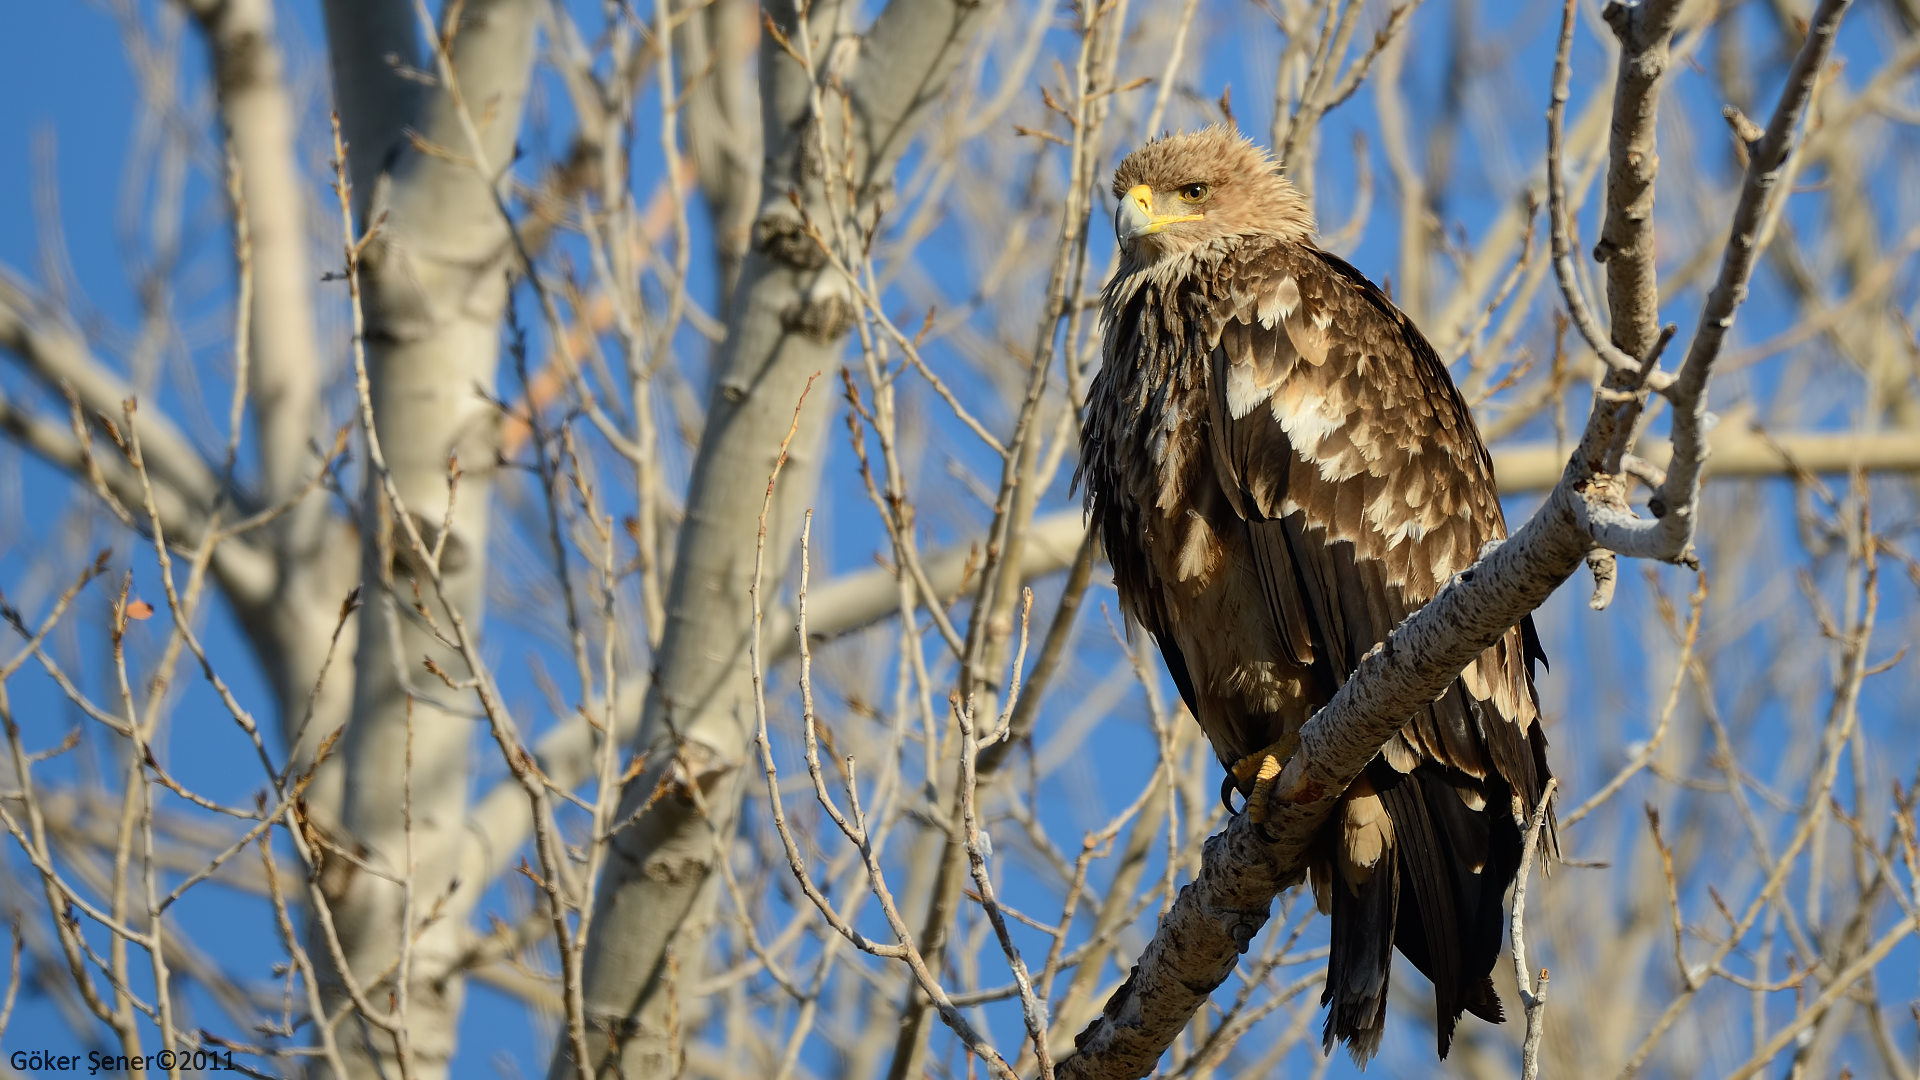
(13,974)
(1032,1010)
(1533,994)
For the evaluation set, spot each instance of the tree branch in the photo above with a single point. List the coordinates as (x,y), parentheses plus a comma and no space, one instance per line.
(1216,917)
(249,78)
(374,45)
(432,288)
(722,122)
(1626,240)
(1737,451)
(905,59)
(245,572)
(788,319)
(1767,162)
(54,354)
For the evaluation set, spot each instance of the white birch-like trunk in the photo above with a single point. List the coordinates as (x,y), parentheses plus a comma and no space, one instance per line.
(435,282)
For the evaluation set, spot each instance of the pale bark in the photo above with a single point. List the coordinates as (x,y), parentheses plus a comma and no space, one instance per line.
(1736,453)
(52,350)
(368,42)
(722,114)
(990,627)
(1626,240)
(185,486)
(1218,915)
(284,590)
(435,283)
(250,79)
(499,822)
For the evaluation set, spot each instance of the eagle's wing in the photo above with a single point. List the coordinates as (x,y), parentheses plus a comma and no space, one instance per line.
(1344,446)
(1342,442)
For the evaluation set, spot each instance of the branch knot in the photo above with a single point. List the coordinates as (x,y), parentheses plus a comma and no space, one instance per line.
(785,240)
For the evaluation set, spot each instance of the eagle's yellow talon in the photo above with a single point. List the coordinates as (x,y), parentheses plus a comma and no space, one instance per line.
(1263,768)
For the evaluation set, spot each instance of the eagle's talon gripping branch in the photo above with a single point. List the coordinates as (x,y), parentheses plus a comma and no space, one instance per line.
(1261,768)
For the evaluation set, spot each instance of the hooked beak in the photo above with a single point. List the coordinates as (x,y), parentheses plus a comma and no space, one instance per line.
(1135,217)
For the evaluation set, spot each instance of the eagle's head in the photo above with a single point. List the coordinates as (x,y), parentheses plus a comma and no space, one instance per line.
(1180,192)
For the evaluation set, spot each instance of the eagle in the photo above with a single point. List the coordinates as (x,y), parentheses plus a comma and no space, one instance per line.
(1281,470)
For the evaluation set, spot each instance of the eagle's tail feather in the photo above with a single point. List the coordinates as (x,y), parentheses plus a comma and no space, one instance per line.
(1441,906)
(1461,867)
(1360,962)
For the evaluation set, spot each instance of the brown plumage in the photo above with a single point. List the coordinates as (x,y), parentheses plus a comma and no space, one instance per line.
(1281,470)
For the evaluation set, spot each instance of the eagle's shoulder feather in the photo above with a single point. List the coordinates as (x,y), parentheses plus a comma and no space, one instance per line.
(1385,453)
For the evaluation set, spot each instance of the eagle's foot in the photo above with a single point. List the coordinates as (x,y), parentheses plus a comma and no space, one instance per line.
(1262,769)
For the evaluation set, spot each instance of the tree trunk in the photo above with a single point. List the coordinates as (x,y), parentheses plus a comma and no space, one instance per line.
(435,283)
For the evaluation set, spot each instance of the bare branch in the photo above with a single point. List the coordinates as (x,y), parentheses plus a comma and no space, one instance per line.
(1533,995)
(1626,240)
(54,353)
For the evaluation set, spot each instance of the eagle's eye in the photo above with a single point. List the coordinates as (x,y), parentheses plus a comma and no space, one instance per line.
(1193,193)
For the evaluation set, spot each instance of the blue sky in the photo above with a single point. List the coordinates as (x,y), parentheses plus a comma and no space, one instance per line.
(73,111)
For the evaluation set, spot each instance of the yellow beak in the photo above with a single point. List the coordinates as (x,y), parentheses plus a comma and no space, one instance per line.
(1135,217)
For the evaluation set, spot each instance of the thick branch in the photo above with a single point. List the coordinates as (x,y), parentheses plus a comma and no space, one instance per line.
(426,165)
(499,823)
(1218,915)
(1740,452)
(249,77)
(721,122)
(373,45)
(787,321)
(853,601)
(277,594)
(905,59)
(289,626)
(1626,240)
